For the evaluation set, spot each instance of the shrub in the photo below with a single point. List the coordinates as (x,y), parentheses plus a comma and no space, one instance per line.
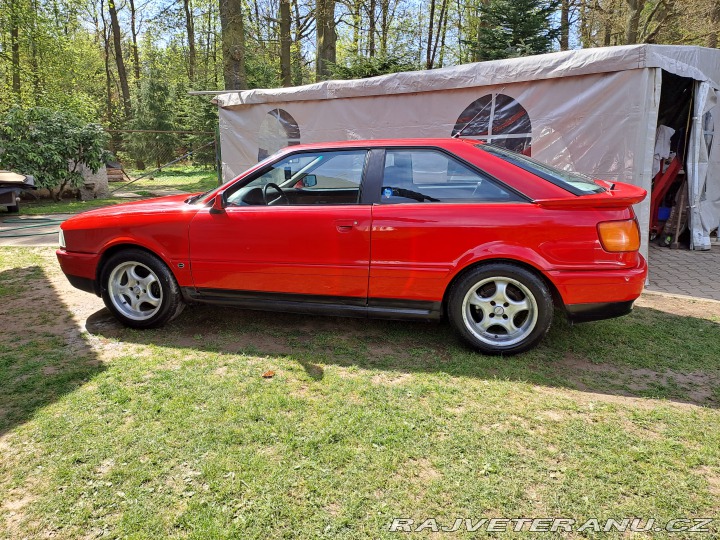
(51,146)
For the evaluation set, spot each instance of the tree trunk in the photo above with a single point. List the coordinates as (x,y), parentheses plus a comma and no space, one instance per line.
(441,60)
(108,74)
(233,44)
(296,54)
(635,8)
(134,35)
(440,25)
(356,15)
(285,42)
(190,28)
(712,40)
(565,25)
(15,47)
(384,25)
(122,74)
(326,37)
(371,29)
(428,56)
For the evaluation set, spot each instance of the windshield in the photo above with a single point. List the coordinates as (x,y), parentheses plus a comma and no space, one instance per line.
(576,183)
(201,196)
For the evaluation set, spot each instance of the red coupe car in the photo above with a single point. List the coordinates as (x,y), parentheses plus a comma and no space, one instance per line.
(416,229)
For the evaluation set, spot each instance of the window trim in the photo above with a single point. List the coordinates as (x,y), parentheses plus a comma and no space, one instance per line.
(378,188)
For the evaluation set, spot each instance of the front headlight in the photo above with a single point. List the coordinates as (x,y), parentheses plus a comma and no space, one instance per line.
(61,239)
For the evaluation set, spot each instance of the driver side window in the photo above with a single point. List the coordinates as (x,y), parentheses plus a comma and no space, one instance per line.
(309,178)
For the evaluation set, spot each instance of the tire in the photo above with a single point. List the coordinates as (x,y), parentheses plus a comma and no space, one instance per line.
(139,274)
(14,209)
(500,308)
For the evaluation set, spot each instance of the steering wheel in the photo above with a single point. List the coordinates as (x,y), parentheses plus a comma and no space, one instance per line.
(282,199)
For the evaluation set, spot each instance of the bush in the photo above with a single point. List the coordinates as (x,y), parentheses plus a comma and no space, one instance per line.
(51,146)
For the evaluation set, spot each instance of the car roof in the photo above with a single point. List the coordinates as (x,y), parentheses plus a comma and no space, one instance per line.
(444,142)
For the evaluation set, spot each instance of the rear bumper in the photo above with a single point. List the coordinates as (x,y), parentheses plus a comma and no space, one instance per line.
(596,312)
(600,294)
(80,269)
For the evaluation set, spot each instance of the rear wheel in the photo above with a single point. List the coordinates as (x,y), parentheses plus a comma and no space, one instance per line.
(140,290)
(500,308)
(14,209)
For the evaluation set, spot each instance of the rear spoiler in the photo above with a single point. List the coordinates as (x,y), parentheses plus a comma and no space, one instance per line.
(619,195)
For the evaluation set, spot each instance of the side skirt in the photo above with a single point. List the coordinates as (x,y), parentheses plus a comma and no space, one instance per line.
(336,306)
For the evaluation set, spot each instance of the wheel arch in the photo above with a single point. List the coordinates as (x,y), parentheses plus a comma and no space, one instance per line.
(557,298)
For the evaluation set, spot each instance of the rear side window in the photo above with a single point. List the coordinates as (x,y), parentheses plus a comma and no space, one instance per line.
(431,176)
(575,183)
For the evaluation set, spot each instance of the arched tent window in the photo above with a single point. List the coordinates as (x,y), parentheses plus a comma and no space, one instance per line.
(277,130)
(498,119)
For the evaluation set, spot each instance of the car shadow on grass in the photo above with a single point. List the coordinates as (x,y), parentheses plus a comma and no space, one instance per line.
(648,354)
(44,355)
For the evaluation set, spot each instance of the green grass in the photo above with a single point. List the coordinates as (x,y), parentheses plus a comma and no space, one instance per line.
(173,433)
(181,178)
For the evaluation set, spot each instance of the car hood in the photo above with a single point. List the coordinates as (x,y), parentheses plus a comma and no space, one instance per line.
(160,205)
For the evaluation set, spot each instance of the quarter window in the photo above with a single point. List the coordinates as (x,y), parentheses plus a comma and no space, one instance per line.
(431,176)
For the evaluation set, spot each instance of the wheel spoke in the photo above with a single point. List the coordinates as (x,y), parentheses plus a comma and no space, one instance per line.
(486,323)
(517,307)
(500,296)
(508,324)
(132,273)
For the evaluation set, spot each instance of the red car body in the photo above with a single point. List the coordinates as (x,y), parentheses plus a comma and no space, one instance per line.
(369,258)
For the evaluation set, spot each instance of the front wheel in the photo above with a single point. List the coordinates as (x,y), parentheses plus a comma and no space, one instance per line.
(140,290)
(500,308)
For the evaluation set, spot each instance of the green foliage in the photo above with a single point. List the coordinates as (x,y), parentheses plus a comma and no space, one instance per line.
(511,28)
(154,111)
(50,145)
(361,67)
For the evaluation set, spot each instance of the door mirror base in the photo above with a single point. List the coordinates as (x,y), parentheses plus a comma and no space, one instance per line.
(218,205)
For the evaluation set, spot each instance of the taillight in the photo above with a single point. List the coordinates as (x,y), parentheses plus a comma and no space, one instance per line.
(619,235)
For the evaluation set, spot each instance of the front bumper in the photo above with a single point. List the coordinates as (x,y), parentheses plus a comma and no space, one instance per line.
(80,269)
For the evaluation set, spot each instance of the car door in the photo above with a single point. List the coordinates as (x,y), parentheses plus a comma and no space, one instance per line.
(297,227)
(433,210)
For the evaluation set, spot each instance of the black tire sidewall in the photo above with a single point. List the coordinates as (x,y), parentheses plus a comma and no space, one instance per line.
(171,305)
(529,279)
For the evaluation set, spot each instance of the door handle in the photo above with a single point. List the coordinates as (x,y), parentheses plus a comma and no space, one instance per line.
(345,225)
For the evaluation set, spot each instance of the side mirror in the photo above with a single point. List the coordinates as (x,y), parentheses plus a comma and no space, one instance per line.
(218,205)
(309,180)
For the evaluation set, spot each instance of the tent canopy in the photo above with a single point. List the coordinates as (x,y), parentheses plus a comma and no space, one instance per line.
(594,111)
(697,63)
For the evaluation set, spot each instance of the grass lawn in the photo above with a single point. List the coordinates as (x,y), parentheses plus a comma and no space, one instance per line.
(174,433)
(181,178)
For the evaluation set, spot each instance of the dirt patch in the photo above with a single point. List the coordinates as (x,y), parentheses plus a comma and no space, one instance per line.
(105,467)
(425,471)
(333,509)
(221,371)
(697,386)
(553,416)
(702,309)
(381,350)
(713,480)
(390,379)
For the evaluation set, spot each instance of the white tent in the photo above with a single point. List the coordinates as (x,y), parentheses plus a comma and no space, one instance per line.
(594,111)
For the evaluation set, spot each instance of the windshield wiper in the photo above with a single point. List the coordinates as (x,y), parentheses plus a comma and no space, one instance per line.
(195,198)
